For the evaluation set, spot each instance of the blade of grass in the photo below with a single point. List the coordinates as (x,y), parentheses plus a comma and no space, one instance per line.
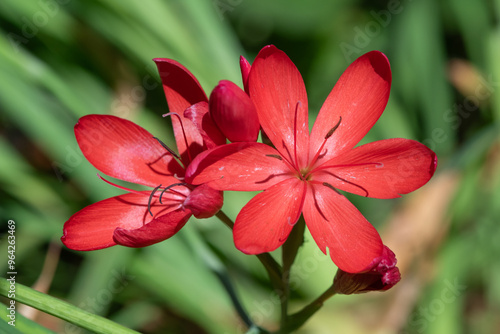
(63,310)
(22,325)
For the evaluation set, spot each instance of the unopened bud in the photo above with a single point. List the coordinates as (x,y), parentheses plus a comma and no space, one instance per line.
(204,202)
(381,275)
(234,112)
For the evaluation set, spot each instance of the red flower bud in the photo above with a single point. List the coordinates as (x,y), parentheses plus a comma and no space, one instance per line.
(234,112)
(204,202)
(382,275)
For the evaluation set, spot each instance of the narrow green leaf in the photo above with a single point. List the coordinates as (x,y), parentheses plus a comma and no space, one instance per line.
(22,325)
(63,310)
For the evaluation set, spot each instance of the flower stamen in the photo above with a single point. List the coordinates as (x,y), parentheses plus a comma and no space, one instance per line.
(346,181)
(332,130)
(183,132)
(170,187)
(328,185)
(295,134)
(327,136)
(277,156)
(120,187)
(150,198)
(376,164)
(168,148)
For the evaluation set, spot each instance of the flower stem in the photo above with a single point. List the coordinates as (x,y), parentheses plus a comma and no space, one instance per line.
(225,219)
(289,252)
(62,309)
(296,320)
(272,267)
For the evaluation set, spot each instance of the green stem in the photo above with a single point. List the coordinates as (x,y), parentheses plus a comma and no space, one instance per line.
(289,252)
(296,320)
(61,309)
(272,267)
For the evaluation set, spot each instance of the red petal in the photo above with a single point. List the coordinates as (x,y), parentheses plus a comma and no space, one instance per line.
(382,169)
(92,227)
(157,230)
(278,92)
(124,150)
(182,90)
(245,71)
(234,112)
(238,166)
(336,224)
(266,221)
(199,115)
(359,97)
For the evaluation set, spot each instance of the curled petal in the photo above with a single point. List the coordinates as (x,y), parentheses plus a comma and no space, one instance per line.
(245,71)
(336,225)
(182,90)
(198,114)
(93,227)
(204,202)
(358,98)
(382,275)
(266,221)
(238,166)
(157,230)
(124,150)
(234,112)
(382,169)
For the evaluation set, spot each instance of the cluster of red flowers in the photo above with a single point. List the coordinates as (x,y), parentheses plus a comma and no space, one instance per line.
(300,172)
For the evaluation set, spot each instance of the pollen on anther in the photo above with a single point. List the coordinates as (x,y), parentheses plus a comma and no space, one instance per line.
(277,156)
(332,130)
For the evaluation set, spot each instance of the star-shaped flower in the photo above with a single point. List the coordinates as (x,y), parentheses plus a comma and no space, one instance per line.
(303,172)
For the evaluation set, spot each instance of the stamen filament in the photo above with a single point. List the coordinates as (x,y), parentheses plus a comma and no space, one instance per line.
(288,160)
(183,132)
(120,187)
(150,198)
(282,158)
(295,135)
(167,148)
(169,188)
(327,136)
(343,180)
(328,185)
(322,167)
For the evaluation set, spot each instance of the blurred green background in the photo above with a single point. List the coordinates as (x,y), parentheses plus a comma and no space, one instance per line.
(62,59)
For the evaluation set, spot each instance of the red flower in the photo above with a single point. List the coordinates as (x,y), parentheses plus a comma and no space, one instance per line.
(124,150)
(304,171)
(382,275)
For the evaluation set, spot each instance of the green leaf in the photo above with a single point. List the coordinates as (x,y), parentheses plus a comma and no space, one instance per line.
(22,325)
(63,310)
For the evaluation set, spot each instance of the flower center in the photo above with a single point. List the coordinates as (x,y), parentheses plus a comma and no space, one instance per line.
(304,174)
